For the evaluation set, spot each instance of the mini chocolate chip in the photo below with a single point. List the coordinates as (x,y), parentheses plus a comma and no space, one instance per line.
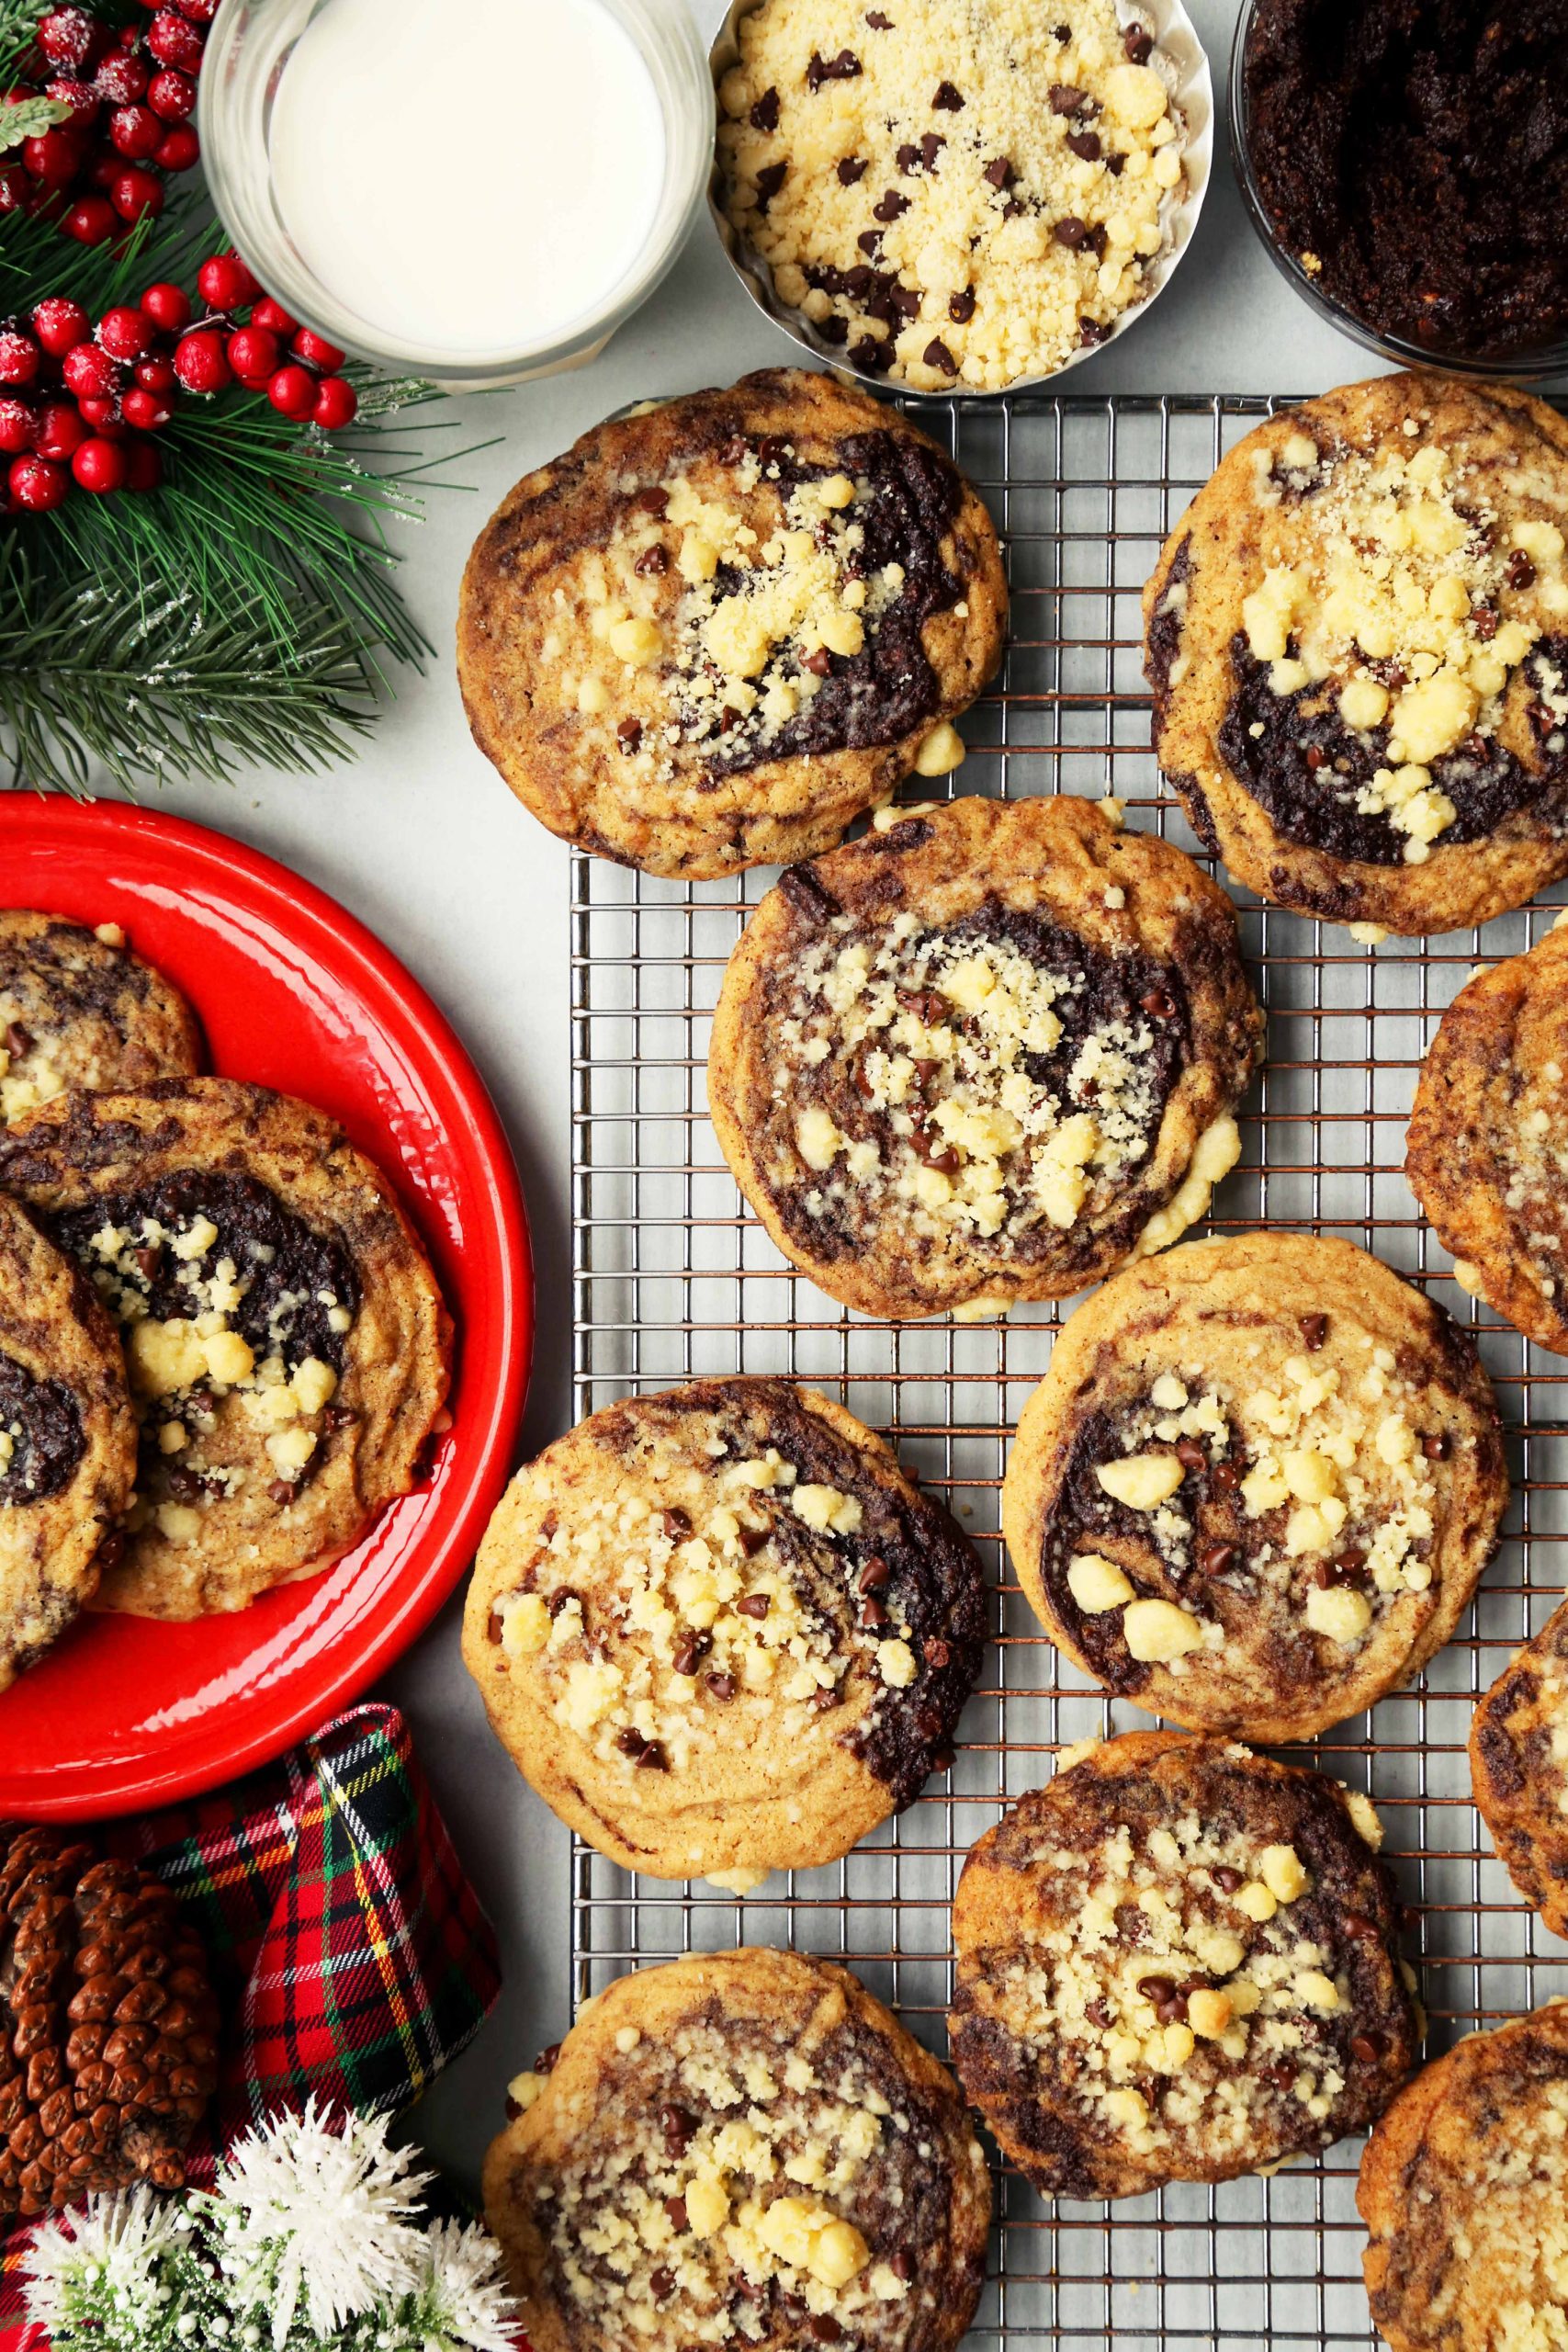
(891,206)
(819,661)
(111,1551)
(754,1604)
(652,561)
(675,2207)
(908,158)
(907,302)
(563,1599)
(690,1652)
(944,1757)
(1315,757)
(1225,1878)
(1224,1477)
(1138,43)
(1484,620)
(1000,173)
(677,1524)
(947,99)
(823,2327)
(148,1259)
(653,1758)
(722,1686)
(938,1653)
(770,179)
(1098,2014)
(824,1699)
(493,1627)
(1520,573)
(729,717)
(18,1041)
(874,1575)
(651,502)
(544,2062)
(1356,1924)
(872,355)
(513,2108)
(1436,1449)
(280,1491)
(1190,1455)
(1091,331)
(661,2284)
(834,329)
(1116,164)
(1085,145)
(850,169)
(1215,1558)
(872,1615)
(1367,2047)
(1063,33)
(184,1484)
(750,1540)
(1314,1330)
(1157,1988)
(677,2123)
(628,735)
(937,354)
(960,307)
(877,21)
(1065,99)
(765,113)
(1159,1004)
(735,450)
(1071,231)
(845,67)
(630,1742)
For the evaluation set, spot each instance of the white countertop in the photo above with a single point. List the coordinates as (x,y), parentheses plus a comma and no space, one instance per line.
(422,839)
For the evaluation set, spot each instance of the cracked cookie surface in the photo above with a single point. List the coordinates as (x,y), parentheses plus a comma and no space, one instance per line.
(1356,637)
(1464,2189)
(1487,1150)
(67,1442)
(1177,1961)
(741,2149)
(988,1053)
(1519,1766)
(286,1345)
(715,632)
(78,1009)
(720,1632)
(1258,1485)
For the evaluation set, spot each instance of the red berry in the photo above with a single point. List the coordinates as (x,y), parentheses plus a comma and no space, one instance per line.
(171,94)
(38,485)
(137,193)
(315,348)
(104,417)
(336,402)
(168,306)
(20,357)
(82,100)
(91,220)
(100,467)
(135,131)
(105,168)
(58,325)
(144,466)
(18,427)
(200,12)
(90,373)
(155,375)
(61,430)
(200,362)
(65,36)
(177,150)
(175,41)
(226,283)
(146,411)
(124,333)
(121,79)
(253,354)
(273,316)
(14,187)
(292,393)
(53,157)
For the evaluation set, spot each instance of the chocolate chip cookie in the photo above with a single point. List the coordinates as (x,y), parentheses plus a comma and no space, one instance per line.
(1487,1150)
(1177,1961)
(78,1009)
(717,632)
(1519,1766)
(1358,641)
(1258,1485)
(952,195)
(740,2149)
(721,1633)
(988,1053)
(1464,2187)
(287,1344)
(67,1442)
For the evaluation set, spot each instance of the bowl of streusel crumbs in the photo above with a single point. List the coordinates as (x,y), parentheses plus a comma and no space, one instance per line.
(959,195)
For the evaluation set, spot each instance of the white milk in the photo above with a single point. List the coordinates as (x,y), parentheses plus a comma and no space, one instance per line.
(471,176)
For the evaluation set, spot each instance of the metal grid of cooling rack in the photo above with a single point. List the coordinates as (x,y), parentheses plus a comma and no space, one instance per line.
(672,1279)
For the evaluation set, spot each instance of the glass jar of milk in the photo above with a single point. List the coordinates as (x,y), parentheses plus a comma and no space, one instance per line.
(474,190)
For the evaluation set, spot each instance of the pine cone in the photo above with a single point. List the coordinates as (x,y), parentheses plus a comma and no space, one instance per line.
(108,2026)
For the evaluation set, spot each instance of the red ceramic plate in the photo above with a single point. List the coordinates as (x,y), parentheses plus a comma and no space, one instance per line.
(294,993)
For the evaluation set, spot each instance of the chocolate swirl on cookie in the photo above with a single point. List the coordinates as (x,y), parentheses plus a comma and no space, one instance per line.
(41,1437)
(76,1009)
(1518,1762)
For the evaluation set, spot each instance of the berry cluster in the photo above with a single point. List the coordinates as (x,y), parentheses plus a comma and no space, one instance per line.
(81,403)
(130,95)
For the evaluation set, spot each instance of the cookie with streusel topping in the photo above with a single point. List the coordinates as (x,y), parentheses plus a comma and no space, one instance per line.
(945,194)
(1487,1150)
(741,2149)
(988,1053)
(287,1344)
(1177,1961)
(1258,1485)
(718,630)
(67,1442)
(1518,1769)
(1464,2191)
(720,1632)
(78,1009)
(1358,641)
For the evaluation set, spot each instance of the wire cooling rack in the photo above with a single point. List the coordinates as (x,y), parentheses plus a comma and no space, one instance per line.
(672,1279)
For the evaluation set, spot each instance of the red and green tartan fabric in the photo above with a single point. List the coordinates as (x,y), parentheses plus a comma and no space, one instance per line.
(349,1951)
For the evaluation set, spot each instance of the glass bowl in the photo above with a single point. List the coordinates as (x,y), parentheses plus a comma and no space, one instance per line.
(1515,366)
(247,47)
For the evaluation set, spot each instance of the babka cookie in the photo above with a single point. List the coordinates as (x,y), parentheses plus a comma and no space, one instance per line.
(720,1632)
(67,1442)
(1358,641)
(1177,1961)
(77,1008)
(1519,1766)
(1257,1485)
(718,630)
(987,1054)
(945,194)
(740,2149)
(1487,1150)
(1464,2191)
(286,1340)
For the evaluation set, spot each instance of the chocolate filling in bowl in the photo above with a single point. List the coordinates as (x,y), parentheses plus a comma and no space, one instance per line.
(43,1423)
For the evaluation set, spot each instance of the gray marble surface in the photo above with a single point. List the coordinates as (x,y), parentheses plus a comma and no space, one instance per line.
(421,839)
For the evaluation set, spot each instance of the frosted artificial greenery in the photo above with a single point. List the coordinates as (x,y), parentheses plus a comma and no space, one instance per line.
(311,2237)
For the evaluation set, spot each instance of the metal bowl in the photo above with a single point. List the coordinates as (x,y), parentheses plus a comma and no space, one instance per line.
(1180,57)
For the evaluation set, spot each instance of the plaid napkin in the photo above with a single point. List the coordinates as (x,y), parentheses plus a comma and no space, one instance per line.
(350,1954)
